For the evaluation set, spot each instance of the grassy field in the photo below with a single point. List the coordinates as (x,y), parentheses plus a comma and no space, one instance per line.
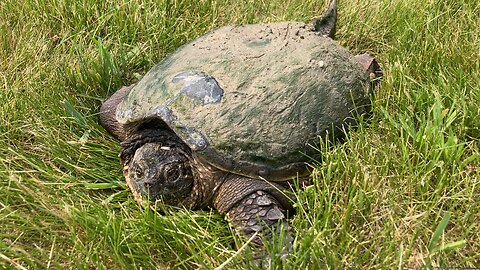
(402,192)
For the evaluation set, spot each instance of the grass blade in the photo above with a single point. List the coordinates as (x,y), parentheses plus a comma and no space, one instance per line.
(75,114)
(439,231)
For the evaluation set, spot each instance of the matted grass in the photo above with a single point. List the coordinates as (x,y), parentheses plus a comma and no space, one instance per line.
(401,192)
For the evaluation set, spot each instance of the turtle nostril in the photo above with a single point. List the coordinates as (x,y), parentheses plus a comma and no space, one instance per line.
(148,185)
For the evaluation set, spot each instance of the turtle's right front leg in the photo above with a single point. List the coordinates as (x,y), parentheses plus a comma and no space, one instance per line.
(261,214)
(257,209)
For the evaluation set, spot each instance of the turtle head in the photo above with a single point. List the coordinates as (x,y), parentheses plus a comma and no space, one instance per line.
(162,173)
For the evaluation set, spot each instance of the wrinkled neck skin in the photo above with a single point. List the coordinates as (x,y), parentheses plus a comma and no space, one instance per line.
(222,190)
(207,181)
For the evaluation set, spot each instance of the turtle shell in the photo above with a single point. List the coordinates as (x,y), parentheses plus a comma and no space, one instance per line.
(252,99)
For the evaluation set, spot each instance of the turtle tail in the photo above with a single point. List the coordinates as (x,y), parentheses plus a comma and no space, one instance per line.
(326,24)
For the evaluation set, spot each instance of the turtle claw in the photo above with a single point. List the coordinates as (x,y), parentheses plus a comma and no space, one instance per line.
(265,260)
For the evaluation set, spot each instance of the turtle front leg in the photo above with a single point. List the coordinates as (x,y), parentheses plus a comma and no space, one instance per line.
(258,210)
(260,214)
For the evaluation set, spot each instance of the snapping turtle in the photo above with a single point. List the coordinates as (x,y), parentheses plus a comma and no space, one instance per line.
(228,120)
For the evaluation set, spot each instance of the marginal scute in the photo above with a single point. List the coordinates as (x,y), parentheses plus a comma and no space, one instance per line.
(253,99)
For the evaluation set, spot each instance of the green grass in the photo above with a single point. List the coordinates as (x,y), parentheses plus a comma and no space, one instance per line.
(401,192)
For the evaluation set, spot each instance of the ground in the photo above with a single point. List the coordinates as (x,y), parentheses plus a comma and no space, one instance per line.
(401,192)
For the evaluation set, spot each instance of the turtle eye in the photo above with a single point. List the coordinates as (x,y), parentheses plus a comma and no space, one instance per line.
(138,172)
(172,173)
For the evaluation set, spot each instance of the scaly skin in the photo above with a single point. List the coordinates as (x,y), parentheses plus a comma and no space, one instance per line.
(255,206)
